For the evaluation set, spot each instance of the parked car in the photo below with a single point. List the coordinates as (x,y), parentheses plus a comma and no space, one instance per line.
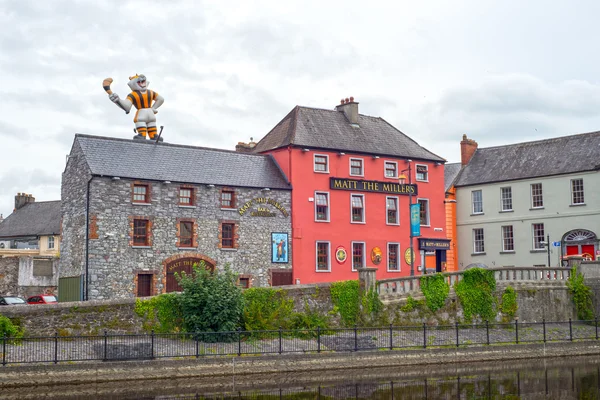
(42,299)
(11,301)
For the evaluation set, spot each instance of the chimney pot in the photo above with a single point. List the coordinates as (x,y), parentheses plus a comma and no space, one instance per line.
(350,110)
(342,101)
(351,99)
(347,100)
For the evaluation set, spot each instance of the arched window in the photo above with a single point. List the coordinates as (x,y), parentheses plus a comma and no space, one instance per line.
(579,235)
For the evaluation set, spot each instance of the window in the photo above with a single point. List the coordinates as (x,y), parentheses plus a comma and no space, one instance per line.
(186,196)
(186,234)
(422,174)
(392,210)
(478,246)
(358,255)
(391,169)
(321,163)
(393,251)
(424,211)
(244,282)
(577,191)
(538,236)
(144,285)
(227,198)
(323,257)
(508,242)
(356,167)
(477,201)
(506,198)
(322,206)
(227,239)
(50,242)
(141,232)
(537,197)
(358,214)
(141,193)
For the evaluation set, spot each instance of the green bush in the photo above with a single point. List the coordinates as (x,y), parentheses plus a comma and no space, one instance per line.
(8,328)
(475,292)
(161,313)
(410,305)
(211,302)
(267,309)
(582,295)
(509,305)
(436,289)
(346,301)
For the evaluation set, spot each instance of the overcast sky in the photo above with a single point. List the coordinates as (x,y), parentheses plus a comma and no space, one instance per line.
(500,71)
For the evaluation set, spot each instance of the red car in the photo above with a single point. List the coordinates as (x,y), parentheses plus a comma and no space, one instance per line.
(42,299)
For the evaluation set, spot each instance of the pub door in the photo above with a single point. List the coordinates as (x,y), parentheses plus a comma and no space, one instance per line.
(440,260)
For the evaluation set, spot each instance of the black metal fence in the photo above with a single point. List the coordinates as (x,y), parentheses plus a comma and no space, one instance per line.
(112,347)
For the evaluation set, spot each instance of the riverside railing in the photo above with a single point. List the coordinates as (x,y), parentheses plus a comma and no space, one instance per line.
(412,284)
(113,347)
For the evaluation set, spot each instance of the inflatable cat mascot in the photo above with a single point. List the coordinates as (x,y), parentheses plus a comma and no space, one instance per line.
(145,101)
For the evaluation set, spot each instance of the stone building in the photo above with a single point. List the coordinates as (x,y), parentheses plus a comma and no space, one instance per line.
(30,247)
(135,213)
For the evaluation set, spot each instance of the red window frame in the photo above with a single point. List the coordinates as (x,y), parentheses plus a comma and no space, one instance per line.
(141,233)
(186,236)
(140,196)
(186,199)
(227,202)
(227,237)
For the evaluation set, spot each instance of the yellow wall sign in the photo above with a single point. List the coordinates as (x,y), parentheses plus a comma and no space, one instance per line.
(262,211)
(409,256)
(376,255)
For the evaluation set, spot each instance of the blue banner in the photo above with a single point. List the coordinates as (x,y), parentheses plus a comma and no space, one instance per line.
(415,220)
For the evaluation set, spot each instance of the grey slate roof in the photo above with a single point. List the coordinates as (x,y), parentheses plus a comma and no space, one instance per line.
(330,129)
(451,171)
(177,163)
(33,219)
(557,156)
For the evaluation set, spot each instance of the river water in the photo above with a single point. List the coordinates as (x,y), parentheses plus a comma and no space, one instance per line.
(564,378)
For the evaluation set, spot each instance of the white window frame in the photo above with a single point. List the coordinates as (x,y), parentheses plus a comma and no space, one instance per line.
(533,242)
(502,199)
(385,169)
(328,206)
(582,192)
(315,163)
(417,174)
(364,209)
(475,241)
(397,210)
(428,214)
(317,256)
(362,166)
(398,258)
(364,255)
(531,195)
(51,243)
(473,212)
(504,249)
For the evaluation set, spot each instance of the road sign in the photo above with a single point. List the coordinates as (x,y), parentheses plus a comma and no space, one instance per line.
(556,244)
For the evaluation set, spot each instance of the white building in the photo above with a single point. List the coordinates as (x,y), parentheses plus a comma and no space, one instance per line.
(513,199)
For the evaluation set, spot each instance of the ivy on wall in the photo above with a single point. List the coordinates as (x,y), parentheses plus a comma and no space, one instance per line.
(436,289)
(354,307)
(476,294)
(582,295)
(509,305)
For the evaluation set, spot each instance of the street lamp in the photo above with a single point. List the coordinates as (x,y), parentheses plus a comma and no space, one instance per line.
(402,179)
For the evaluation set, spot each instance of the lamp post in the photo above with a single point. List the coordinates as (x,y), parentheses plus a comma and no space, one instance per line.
(402,179)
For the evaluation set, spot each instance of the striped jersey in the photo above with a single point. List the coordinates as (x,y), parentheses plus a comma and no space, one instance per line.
(142,100)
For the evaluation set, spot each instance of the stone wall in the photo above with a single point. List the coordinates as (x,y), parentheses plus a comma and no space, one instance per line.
(34,280)
(114,263)
(73,208)
(9,271)
(591,273)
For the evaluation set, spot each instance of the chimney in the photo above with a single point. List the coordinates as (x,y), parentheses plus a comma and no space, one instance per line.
(1,218)
(350,108)
(243,147)
(21,199)
(467,149)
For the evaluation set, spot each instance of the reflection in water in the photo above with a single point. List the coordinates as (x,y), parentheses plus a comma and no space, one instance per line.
(574,378)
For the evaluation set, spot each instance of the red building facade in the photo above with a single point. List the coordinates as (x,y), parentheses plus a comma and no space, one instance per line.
(349,208)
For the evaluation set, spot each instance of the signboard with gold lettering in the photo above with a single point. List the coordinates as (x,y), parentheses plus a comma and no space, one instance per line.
(262,210)
(360,185)
(434,244)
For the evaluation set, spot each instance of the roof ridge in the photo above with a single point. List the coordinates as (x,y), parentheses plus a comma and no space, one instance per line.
(149,143)
(334,110)
(539,141)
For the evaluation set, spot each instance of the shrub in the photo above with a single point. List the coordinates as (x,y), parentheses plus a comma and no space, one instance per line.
(8,328)
(211,302)
(582,295)
(436,289)
(267,309)
(161,313)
